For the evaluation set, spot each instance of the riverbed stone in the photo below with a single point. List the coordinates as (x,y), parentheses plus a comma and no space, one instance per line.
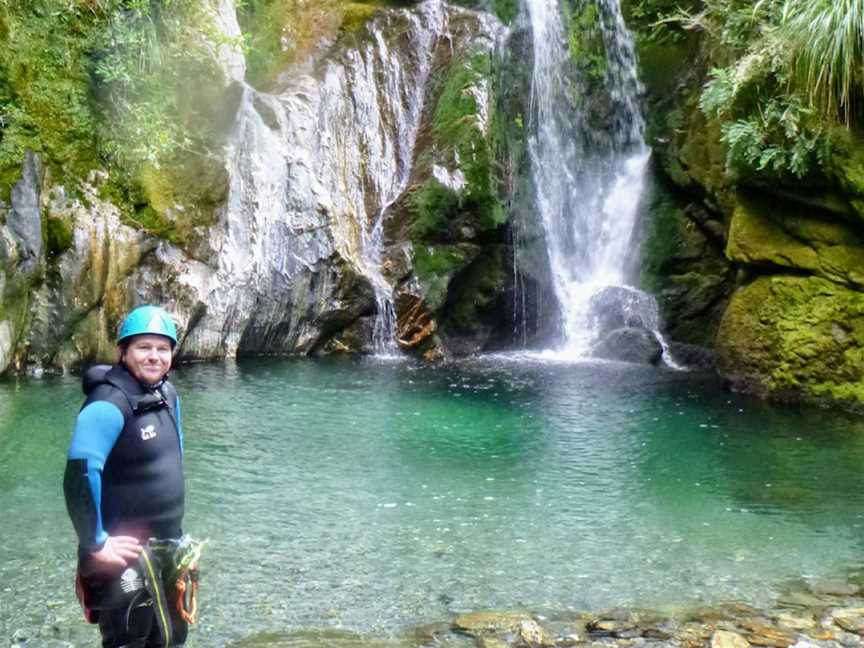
(797,622)
(762,634)
(492,642)
(479,623)
(727,639)
(534,635)
(850,619)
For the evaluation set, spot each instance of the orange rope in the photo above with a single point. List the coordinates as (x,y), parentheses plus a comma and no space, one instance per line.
(187,615)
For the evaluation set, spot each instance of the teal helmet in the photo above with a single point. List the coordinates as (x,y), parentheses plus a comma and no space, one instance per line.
(148,320)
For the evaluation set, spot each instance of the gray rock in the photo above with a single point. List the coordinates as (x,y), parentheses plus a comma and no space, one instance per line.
(25,218)
(617,307)
(635,345)
(693,356)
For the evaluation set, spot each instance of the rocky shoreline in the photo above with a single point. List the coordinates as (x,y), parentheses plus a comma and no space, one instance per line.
(825,613)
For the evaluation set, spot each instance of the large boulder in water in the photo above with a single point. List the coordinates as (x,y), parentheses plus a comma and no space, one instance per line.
(629,344)
(617,307)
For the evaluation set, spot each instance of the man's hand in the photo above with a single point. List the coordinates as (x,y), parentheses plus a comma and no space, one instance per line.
(117,551)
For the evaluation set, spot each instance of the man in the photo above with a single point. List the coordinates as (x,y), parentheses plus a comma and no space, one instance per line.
(124,488)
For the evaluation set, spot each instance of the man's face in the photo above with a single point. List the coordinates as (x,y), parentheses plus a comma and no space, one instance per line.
(148,357)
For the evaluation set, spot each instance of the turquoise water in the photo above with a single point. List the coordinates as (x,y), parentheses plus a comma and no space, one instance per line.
(374,495)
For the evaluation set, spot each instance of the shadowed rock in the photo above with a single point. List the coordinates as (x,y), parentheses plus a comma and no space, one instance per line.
(635,345)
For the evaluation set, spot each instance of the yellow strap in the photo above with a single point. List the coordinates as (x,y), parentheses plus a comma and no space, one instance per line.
(160,604)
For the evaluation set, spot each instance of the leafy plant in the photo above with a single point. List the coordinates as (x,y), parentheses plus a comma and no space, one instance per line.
(827,39)
(780,138)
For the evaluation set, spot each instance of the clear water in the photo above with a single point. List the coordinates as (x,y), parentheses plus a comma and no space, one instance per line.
(374,495)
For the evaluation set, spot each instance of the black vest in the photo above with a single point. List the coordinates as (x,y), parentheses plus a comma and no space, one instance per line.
(142,483)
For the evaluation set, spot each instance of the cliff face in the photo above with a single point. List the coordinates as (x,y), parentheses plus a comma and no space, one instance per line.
(366,172)
(758,260)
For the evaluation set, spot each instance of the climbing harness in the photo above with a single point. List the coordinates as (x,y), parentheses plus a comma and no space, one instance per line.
(165,577)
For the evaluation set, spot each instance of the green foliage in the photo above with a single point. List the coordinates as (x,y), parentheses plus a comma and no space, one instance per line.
(120,85)
(155,64)
(782,91)
(585,40)
(719,92)
(45,98)
(457,129)
(506,10)
(776,139)
(650,19)
(826,40)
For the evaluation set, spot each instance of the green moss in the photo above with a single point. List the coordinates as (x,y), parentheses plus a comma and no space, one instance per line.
(45,89)
(767,231)
(435,265)
(804,336)
(459,134)
(357,14)
(58,236)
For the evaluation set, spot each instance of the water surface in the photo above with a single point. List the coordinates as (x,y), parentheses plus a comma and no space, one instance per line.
(374,495)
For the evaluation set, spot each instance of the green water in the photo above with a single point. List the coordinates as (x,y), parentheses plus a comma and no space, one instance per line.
(374,495)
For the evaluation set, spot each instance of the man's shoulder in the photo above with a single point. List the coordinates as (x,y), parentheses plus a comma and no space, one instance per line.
(99,387)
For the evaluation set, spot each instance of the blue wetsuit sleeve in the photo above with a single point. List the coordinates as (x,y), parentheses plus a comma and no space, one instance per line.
(97,429)
(179,423)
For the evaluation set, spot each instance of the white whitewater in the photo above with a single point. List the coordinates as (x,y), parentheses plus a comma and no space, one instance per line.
(587,182)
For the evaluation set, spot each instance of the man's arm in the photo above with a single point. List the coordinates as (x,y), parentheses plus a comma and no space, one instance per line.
(97,428)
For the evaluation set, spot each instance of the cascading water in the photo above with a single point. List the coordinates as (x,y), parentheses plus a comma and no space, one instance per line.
(588,180)
(314,170)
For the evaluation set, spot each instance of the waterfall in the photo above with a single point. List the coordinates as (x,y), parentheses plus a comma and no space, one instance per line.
(587,180)
(386,94)
(314,166)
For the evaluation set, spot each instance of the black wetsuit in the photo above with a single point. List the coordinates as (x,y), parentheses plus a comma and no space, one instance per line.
(124,476)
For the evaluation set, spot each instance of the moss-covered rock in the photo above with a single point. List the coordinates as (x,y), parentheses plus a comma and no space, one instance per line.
(795,337)
(475,301)
(765,231)
(436,265)
(458,198)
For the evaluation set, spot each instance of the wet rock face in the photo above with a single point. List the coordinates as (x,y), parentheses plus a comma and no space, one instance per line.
(711,233)
(21,258)
(292,259)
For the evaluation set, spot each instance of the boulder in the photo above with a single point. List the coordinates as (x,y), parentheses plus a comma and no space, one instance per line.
(617,307)
(629,344)
(793,337)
